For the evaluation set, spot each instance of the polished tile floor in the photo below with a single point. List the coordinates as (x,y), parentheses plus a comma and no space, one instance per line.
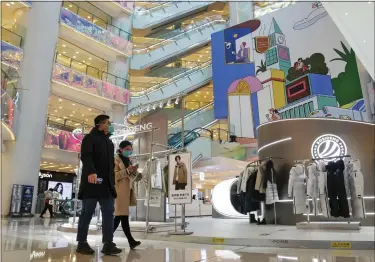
(38,240)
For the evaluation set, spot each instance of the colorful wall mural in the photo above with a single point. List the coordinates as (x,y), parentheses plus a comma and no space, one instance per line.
(292,63)
(64,140)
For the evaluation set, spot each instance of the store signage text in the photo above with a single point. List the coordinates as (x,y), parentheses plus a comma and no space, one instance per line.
(328,146)
(133,129)
(41,176)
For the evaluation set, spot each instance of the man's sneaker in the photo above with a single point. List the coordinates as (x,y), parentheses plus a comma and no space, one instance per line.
(134,244)
(110,249)
(85,249)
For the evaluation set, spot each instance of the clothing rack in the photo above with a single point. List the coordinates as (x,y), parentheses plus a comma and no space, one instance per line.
(258,162)
(329,223)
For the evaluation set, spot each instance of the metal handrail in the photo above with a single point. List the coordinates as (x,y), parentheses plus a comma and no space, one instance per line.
(203,108)
(194,131)
(100,71)
(19,43)
(118,31)
(208,20)
(66,127)
(147,10)
(171,80)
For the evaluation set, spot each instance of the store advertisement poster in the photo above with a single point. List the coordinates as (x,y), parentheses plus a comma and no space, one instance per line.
(27,200)
(64,140)
(180,180)
(16,199)
(11,55)
(63,188)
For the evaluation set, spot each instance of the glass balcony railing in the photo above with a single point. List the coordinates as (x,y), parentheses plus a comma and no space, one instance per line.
(73,78)
(172,77)
(98,21)
(91,71)
(111,36)
(9,101)
(149,7)
(11,37)
(129,5)
(11,52)
(171,37)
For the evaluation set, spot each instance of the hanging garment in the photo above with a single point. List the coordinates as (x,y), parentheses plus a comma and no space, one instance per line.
(272,195)
(251,204)
(245,177)
(356,188)
(152,172)
(338,201)
(313,187)
(239,182)
(323,192)
(259,184)
(297,189)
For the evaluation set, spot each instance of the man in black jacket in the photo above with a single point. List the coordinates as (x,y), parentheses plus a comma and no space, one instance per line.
(97,185)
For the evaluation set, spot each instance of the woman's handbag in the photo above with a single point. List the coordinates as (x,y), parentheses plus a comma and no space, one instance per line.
(133,199)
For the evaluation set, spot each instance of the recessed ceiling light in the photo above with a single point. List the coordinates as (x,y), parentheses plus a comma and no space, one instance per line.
(206,52)
(60,100)
(84,61)
(74,56)
(64,52)
(55,111)
(73,105)
(83,115)
(59,54)
(60,107)
(90,109)
(90,58)
(70,6)
(7,4)
(12,3)
(64,45)
(88,16)
(346,13)
(71,115)
(77,52)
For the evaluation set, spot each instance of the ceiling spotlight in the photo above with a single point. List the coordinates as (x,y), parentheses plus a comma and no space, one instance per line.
(64,45)
(148,108)
(161,105)
(177,100)
(169,102)
(154,107)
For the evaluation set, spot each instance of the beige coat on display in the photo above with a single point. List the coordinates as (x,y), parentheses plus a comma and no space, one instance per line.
(124,188)
(180,174)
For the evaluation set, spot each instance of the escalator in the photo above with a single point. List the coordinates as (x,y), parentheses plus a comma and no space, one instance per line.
(198,141)
(195,119)
(165,47)
(154,15)
(184,82)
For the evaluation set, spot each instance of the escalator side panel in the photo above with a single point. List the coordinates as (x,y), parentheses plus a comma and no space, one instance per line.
(164,13)
(185,84)
(189,41)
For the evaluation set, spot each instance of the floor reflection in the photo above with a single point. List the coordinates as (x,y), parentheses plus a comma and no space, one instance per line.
(38,240)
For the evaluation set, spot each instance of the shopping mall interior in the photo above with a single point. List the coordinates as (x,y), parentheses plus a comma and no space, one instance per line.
(267,108)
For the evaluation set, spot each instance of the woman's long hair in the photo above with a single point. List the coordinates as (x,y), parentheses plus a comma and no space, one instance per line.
(57,187)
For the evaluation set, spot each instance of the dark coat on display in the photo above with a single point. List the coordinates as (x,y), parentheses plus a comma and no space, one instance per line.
(252,195)
(97,156)
(338,201)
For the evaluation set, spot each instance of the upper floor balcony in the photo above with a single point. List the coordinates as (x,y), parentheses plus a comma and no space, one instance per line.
(11,51)
(84,29)
(9,105)
(70,79)
(115,8)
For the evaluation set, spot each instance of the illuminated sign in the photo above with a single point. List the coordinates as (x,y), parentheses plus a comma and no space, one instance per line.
(328,146)
(41,176)
(132,130)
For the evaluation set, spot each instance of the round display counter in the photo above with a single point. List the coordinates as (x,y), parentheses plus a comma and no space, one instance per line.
(311,138)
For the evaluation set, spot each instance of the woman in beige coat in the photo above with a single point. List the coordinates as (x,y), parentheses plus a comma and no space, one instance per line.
(125,174)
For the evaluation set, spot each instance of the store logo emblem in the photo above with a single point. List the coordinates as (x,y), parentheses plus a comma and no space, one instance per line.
(328,146)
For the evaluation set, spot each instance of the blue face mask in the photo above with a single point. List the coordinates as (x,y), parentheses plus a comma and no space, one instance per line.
(127,153)
(111,129)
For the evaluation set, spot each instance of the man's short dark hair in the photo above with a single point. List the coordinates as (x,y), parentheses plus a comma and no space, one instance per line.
(125,143)
(177,157)
(100,119)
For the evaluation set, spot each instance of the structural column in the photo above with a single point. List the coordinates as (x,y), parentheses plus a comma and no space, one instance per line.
(21,159)
(240,11)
